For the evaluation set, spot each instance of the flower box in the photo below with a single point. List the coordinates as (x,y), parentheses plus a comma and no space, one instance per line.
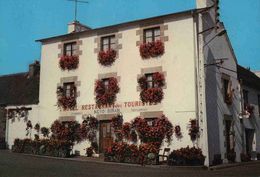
(106,96)
(69,62)
(107,58)
(151,49)
(67,103)
(152,95)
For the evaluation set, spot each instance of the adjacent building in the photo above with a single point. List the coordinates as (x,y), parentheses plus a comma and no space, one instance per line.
(250,106)
(19,100)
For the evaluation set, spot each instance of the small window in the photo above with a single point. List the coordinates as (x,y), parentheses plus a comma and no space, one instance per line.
(225,88)
(152,34)
(108,42)
(106,83)
(70,49)
(69,89)
(245,97)
(258,98)
(150,81)
(150,120)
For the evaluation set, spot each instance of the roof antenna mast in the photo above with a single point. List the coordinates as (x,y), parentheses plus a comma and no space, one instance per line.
(76,7)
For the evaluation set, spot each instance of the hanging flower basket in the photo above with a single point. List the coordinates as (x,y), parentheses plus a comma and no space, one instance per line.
(107,58)
(193,129)
(152,95)
(106,96)
(69,62)
(151,49)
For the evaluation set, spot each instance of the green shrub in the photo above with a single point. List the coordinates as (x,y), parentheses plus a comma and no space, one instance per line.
(48,147)
(186,156)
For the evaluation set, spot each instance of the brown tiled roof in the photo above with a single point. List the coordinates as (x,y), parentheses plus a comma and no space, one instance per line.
(248,78)
(19,89)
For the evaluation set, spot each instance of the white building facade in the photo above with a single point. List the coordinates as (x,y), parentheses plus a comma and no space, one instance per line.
(177,64)
(198,64)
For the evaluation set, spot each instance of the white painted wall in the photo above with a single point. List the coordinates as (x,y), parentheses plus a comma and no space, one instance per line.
(219,48)
(17,129)
(178,61)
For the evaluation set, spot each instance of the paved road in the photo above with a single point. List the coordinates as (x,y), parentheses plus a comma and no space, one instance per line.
(13,165)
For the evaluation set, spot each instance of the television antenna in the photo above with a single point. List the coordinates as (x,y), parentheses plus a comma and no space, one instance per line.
(76,7)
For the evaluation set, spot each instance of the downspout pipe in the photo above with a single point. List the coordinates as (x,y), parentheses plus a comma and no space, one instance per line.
(200,85)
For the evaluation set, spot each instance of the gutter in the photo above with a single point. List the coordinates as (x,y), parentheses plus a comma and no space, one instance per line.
(125,24)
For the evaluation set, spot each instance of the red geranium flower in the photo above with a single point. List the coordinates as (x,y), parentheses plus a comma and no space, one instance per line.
(106,96)
(152,95)
(107,58)
(151,49)
(69,62)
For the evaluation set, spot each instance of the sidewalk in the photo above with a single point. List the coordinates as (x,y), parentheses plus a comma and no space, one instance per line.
(229,165)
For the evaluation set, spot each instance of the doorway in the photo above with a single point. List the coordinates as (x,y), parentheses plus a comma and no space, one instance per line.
(229,137)
(106,135)
(249,135)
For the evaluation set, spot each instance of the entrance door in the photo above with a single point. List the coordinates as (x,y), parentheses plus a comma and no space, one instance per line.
(106,135)
(228,136)
(249,133)
(2,128)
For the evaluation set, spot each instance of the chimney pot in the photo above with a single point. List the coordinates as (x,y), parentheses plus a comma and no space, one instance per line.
(34,69)
(76,26)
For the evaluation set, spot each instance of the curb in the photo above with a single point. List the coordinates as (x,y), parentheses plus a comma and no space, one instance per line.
(218,167)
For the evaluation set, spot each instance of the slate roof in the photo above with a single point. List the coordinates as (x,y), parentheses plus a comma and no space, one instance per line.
(248,78)
(124,24)
(19,89)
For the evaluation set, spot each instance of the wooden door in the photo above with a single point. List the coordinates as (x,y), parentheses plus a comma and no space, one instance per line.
(106,135)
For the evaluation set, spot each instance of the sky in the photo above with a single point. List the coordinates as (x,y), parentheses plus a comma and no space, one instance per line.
(24,21)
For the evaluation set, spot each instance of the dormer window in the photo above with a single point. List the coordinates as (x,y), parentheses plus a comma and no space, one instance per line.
(108,42)
(70,49)
(152,34)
